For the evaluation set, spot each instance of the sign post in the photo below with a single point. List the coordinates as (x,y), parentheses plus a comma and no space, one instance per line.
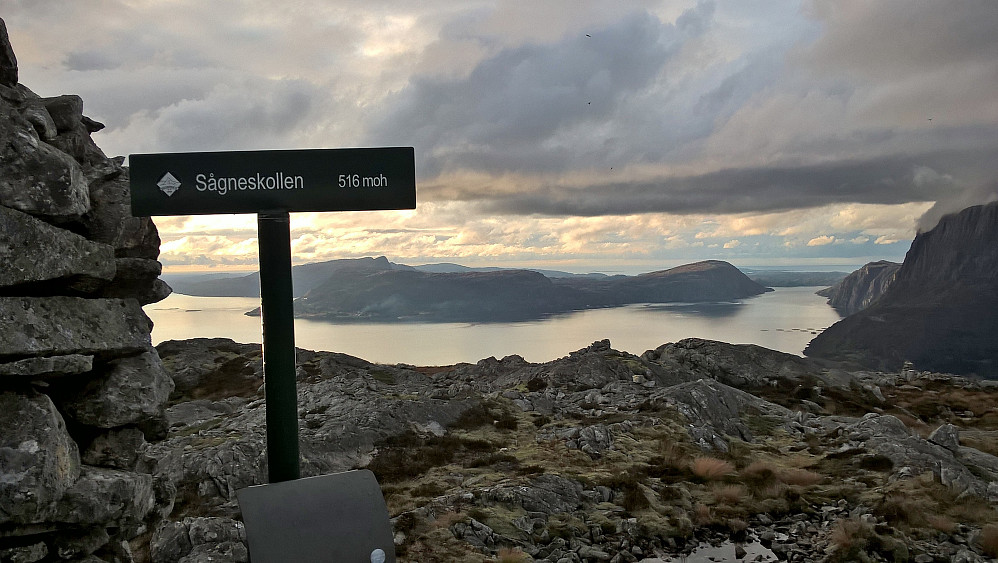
(273,184)
(277,311)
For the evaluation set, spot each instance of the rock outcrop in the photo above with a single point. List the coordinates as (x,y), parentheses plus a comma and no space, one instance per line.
(601,455)
(939,311)
(862,287)
(82,390)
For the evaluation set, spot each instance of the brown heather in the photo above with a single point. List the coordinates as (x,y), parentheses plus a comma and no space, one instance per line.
(728,494)
(800,477)
(941,523)
(711,468)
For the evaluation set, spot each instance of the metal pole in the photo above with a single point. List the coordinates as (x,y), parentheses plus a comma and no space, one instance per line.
(276,301)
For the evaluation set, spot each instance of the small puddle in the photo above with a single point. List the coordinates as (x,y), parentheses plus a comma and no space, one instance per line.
(754,553)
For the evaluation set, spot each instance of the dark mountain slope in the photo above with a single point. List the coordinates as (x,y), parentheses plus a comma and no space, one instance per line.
(304,278)
(510,295)
(862,287)
(505,295)
(940,312)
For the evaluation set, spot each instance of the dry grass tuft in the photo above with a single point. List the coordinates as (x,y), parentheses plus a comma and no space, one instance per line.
(511,555)
(772,490)
(728,494)
(759,474)
(737,525)
(702,515)
(711,468)
(800,477)
(989,540)
(447,519)
(850,536)
(941,523)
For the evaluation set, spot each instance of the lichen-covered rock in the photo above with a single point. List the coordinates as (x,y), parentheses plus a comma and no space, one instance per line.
(199,539)
(106,497)
(133,390)
(947,436)
(111,222)
(118,448)
(66,111)
(50,326)
(33,252)
(34,111)
(36,177)
(711,405)
(51,367)
(31,553)
(138,278)
(39,461)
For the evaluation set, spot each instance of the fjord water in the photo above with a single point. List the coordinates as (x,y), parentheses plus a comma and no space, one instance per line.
(785,319)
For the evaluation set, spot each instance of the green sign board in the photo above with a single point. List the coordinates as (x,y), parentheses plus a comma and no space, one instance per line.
(202,183)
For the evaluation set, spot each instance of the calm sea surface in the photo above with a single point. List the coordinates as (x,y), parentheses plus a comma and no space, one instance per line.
(783,320)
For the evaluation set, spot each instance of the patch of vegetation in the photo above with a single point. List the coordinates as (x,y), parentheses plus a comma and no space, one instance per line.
(493,458)
(407,455)
(386,377)
(626,487)
(487,413)
(707,468)
(876,462)
(536,384)
(429,490)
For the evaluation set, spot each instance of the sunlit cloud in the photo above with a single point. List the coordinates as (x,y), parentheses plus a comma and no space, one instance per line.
(584,134)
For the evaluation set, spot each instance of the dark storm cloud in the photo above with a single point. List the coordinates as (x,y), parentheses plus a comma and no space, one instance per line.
(499,117)
(888,180)
(934,59)
(246,116)
(897,37)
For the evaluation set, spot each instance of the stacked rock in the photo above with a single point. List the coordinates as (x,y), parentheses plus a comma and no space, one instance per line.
(82,389)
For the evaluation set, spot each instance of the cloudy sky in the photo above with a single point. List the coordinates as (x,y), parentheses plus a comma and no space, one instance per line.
(571,134)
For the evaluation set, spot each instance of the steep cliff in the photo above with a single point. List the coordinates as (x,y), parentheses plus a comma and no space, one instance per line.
(939,312)
(82,390)
(862,287)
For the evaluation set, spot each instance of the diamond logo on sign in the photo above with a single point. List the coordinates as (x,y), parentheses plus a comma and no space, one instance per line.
(168,184)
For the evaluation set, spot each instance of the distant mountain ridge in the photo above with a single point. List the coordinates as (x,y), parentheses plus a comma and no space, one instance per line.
(939,312)
(377,290)
(307,276)
(510,295)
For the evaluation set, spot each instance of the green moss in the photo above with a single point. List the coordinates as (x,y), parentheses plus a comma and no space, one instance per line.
(383,376)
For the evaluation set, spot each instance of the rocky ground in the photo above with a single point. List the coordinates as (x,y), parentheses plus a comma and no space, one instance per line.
(598,456)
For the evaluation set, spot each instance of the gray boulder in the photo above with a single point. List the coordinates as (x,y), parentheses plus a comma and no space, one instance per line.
(737,365)
(134,389)
(947,436)
(713,408)
(36,177)
(199,539)
(138,278)
(110,221)
(45,368)
(33,251)
(66,111)
(34,111)
(107,498)
(118,448)
(39,461)
(8,62)
(51,326)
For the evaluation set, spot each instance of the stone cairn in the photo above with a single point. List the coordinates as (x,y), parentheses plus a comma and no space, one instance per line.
(82,390)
